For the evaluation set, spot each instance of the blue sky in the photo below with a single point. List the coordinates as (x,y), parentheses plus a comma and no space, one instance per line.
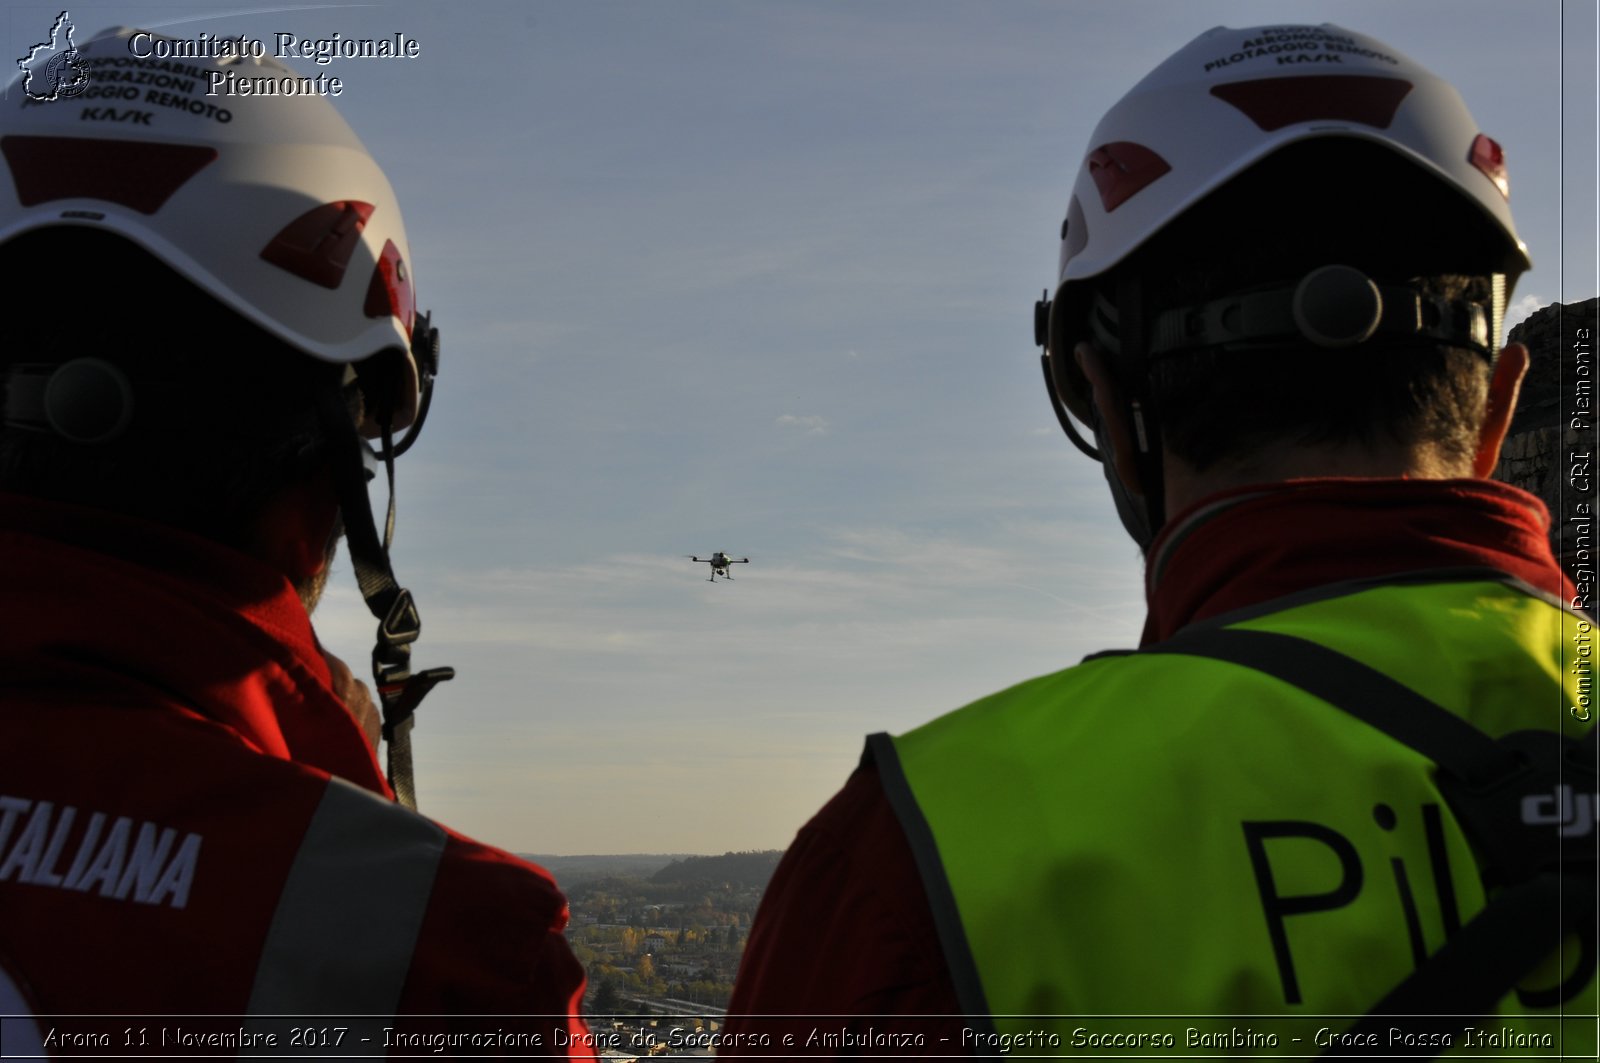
(758,276)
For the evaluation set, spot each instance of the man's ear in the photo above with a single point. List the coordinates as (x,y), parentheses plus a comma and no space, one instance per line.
(1107,398)
(295,528)
(1504,387)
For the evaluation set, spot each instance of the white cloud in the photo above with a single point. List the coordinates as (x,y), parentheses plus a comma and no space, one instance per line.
(1519,310)
(811,425)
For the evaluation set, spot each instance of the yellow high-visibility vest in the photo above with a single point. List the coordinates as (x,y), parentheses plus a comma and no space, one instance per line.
(1178,852)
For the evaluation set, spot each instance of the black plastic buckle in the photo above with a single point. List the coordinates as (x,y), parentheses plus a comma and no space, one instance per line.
(425,345)
(402,624)
(398,710)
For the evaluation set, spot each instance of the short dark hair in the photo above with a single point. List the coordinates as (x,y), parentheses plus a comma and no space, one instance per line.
(1320,202)
(226,414)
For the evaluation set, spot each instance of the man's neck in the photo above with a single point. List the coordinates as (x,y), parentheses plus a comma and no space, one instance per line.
(1286,463)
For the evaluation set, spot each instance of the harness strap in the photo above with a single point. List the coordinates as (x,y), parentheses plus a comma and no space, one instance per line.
(1484,961)
(399,624)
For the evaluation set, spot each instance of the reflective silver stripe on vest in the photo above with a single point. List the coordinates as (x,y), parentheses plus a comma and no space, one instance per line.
(348,918)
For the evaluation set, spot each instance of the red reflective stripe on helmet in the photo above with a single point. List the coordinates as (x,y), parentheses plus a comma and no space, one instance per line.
(134,173)
(318,244)
(1490,158)
(390,290)
(1272,103)
(1121,169)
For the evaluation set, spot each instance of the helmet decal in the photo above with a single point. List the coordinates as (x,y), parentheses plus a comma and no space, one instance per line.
(390,292)
(1272,103)
(318,244)
(1490,159)
(141,175)
(1122,169)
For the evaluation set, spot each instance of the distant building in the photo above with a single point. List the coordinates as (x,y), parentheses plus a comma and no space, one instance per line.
(1550,450)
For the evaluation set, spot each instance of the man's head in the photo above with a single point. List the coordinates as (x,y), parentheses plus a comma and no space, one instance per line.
(1286,240)
(213,424)
(209,295)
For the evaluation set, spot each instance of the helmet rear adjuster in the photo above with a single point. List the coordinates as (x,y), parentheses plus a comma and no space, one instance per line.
(86,400)
(1333,307)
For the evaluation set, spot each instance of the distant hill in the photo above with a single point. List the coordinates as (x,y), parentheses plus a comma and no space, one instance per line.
(570,870)
(752,869)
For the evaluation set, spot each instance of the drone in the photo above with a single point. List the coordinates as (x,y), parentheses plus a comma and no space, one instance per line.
(719,563)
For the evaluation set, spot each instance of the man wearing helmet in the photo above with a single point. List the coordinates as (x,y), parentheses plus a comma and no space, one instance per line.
(208,316)
(1281,282)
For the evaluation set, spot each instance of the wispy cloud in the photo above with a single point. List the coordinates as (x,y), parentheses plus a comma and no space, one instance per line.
(811,425)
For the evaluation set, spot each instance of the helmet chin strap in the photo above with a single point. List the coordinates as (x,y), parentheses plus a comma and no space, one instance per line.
(1132,509)
(399,691)
(1141,520)
(1120,331)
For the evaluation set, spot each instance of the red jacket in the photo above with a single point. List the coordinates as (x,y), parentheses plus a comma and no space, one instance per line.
(845,930)
(192,824)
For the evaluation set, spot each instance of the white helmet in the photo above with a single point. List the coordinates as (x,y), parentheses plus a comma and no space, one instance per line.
(269,203)
(1230,99)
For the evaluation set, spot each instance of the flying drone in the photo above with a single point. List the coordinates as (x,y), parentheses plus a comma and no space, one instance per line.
(719,563)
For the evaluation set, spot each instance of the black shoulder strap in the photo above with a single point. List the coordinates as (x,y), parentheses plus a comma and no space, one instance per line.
(1548,886)
(1360,690)
(1518,930)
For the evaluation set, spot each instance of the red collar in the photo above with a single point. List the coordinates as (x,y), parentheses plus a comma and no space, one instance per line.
(1254,544)
(144,614)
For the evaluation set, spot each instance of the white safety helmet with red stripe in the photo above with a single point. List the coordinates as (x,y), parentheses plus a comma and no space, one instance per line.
(1219,107)
(269,203)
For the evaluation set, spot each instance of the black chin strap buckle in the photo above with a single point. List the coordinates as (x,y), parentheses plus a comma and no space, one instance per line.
(400,700)
(399,692)
(399,710)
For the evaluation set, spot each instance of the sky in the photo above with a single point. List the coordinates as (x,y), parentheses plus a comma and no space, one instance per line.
(758,276)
